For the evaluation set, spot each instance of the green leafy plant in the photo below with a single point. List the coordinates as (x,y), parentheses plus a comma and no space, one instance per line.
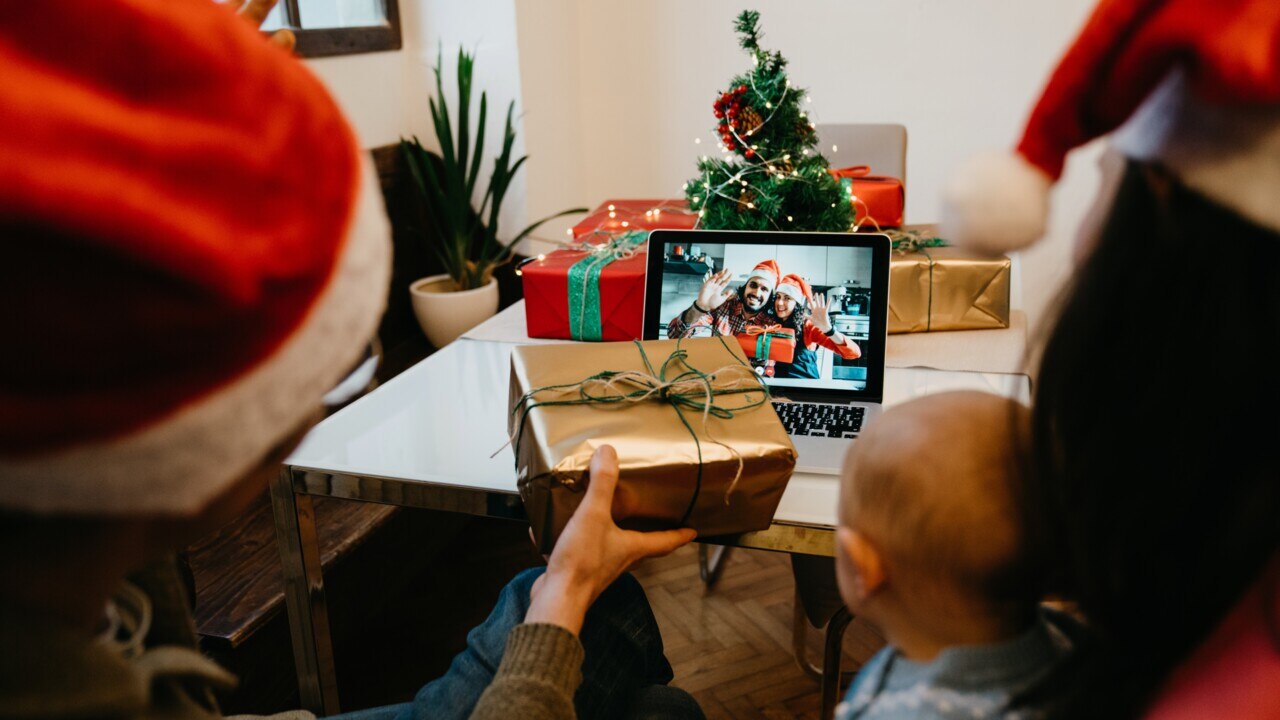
(466,238)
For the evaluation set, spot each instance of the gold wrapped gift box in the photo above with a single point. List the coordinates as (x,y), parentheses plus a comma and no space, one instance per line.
(946,288)
(719,476)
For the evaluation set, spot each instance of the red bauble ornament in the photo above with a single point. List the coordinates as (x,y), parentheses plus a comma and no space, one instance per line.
(741,89)
(727,138)
(750,153)
(718,113)
(726,98)
(733,112)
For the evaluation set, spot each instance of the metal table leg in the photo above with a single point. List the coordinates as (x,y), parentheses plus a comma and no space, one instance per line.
(831,675)
(304,596)
(711,562)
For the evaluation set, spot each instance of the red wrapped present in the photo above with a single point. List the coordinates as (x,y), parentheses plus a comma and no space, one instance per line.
(594,290)
(773,342)
(877,199)
(619,216)
(588,291)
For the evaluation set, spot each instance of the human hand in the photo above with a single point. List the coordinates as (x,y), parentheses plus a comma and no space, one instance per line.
(821,314)
(256,11)
(714,289)
(593,551)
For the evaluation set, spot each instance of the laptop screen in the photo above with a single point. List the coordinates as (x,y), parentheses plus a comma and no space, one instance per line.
(808,325)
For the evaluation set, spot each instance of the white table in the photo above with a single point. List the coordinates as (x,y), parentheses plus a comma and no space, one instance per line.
(434,437)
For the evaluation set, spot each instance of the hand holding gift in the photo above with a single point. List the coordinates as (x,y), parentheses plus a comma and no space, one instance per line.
(697,441)
(594,551)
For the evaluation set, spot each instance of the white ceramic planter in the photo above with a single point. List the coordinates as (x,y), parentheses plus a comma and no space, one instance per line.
(444,313)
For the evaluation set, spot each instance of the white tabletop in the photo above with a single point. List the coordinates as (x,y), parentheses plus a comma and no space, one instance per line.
(442,419)
(1001,351)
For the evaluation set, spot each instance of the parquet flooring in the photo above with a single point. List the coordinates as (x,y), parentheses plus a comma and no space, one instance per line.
(731,646)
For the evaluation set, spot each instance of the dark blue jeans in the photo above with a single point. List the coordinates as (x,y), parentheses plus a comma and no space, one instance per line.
(624,671)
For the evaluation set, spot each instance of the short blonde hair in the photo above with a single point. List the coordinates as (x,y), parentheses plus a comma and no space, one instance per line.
(933,484)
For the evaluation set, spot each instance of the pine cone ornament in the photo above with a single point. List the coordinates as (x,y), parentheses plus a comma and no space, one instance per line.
(746,200)
(749,121)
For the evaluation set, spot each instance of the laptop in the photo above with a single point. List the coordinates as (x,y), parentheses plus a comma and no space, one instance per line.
(823,397)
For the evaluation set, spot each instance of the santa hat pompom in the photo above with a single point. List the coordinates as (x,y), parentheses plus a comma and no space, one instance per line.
(1215,59)
(996,203)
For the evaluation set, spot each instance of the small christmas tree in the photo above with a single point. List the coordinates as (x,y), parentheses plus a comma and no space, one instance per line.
(770,177)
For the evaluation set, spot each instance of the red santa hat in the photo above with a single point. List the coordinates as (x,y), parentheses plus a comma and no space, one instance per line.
(767,271)
(195,252)
(796,288)
(1196,85)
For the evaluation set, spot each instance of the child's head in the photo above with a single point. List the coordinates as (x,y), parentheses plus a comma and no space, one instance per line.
(929,524)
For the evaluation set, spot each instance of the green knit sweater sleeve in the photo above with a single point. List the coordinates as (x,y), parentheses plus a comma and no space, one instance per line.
(540,671)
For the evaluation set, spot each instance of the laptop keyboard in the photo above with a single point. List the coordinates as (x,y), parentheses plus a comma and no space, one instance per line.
(837,421)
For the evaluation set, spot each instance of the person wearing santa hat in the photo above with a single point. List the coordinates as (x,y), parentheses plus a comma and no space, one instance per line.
(720,310)
(1151,486)
(196,251)
(796,306)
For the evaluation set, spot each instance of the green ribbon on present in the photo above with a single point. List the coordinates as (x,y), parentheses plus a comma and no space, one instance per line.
(762,345)
(675,382)
(913,241)
(909,241)
(584,281)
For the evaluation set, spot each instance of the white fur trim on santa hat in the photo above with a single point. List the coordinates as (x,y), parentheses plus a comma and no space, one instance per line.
(176,465)
(995,203)
(764,275)
(792,292)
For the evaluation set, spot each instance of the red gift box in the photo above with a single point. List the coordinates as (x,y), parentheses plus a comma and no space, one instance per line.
(547,298)
(619,216)
(877,199)
(556,308)
(773,342)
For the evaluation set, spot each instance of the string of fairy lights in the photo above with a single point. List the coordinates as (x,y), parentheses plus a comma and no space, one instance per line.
(737,176)
(762,165)
(584,241)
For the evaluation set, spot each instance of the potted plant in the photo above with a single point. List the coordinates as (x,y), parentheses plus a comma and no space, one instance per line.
(463,237)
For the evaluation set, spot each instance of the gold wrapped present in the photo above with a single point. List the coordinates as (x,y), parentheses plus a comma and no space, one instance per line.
(699,445)
(934,287)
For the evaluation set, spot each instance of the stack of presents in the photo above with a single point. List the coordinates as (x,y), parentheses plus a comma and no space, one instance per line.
(704,443)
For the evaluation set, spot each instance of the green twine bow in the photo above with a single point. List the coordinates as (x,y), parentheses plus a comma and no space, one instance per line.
(585,322)
(909,241)
(675,382)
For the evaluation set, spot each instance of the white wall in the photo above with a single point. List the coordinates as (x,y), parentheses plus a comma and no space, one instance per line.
(611,93)
(386,94)
(615,92)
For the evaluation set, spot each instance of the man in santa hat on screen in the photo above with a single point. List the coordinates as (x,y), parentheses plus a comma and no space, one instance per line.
(720,310)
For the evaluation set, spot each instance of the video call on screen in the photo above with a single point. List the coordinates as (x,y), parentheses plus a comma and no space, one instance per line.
(842,275)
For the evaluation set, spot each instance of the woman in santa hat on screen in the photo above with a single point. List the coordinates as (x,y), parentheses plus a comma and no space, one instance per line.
(795,306)
(1152,489)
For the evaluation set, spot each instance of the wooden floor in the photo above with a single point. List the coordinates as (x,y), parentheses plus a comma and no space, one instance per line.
(731,645)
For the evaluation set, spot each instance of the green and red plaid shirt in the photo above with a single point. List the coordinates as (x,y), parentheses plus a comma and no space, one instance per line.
(731,318)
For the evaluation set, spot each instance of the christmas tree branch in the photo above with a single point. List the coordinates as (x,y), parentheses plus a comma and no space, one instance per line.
(748,26)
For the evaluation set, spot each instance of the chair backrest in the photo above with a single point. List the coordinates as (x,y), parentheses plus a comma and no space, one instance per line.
(882,146)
